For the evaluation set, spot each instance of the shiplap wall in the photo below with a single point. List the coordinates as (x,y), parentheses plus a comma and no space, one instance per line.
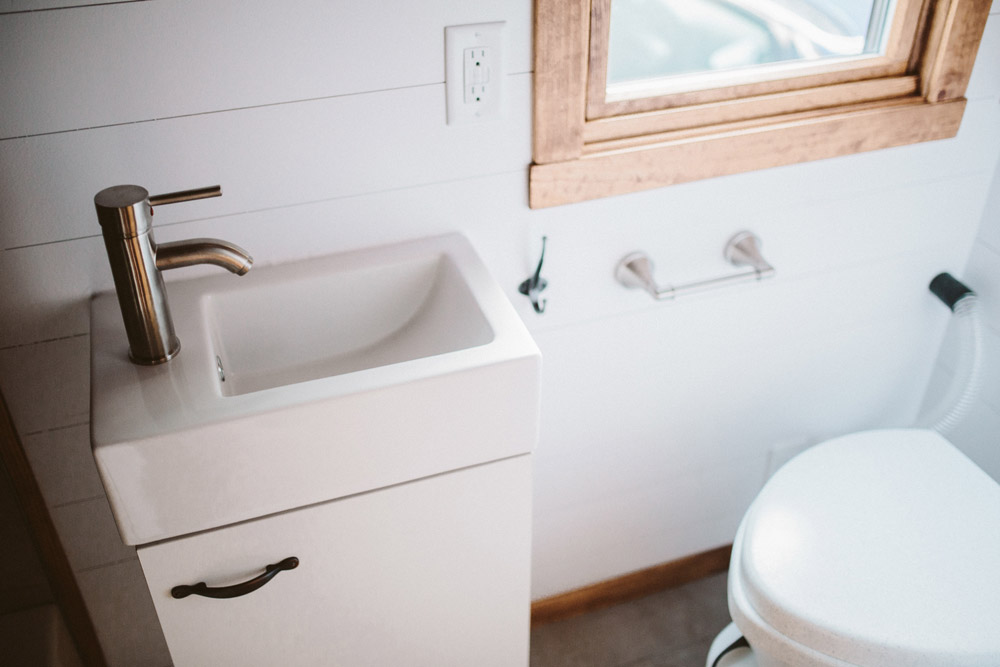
(325,124)
(978,435)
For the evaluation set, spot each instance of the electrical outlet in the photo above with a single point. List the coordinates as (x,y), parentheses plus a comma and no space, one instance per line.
(474,77)
(476,80)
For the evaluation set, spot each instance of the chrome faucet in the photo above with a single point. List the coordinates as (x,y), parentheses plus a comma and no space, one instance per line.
(126,216)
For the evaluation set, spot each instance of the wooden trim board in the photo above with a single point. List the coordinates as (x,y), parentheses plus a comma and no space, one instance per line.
(769,106)
(687,156)
(577,157)
(54,560)
(560,79)
(630,586)
(956,34)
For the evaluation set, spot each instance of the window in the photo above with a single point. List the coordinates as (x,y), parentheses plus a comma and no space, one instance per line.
(611,125)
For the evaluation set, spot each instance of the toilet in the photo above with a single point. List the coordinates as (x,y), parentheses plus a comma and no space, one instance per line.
(875,549)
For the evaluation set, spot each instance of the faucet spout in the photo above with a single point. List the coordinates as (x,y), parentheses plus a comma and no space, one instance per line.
(125,213)
(203,251)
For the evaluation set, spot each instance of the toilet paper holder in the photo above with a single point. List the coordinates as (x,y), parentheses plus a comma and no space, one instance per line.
(635,270)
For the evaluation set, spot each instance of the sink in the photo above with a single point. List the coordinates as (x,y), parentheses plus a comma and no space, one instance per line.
(310,381)
(300,324)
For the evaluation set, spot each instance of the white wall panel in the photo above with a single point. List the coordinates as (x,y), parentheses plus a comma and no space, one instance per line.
(324,122)
(977,433)
(977,437)
(627,532)
(89,535)
(990,393)
(983,271)
(265,157)
(693,424)
(47,286)
(122,612)
(685,239)
(47,384)
(48,185)
(585,241)
(707,378)
(45,289)
(984,82)
(64,465)
(140,61)
(989,231)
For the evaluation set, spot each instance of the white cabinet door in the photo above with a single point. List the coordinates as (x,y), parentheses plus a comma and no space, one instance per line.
(435,572)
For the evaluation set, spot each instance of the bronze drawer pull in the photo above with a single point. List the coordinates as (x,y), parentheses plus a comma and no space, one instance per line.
(236,590)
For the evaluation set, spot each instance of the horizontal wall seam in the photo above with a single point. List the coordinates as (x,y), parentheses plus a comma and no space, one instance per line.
(218,111)
(988,246)
(235,109)
(265,209)
(79,501)
(371,193)
(39,342)
(56,428)
(91,568)
(15,612)
(86,6)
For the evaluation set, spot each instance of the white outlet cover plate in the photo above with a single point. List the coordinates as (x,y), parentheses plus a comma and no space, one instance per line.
(488,101)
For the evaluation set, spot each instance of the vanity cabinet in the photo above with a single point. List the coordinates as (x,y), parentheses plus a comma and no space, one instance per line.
(433,572)
(377,432)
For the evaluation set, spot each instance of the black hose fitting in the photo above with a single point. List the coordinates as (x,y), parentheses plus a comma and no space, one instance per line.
(949,290)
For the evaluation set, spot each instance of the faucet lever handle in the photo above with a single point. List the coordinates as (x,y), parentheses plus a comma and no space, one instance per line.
(185,195)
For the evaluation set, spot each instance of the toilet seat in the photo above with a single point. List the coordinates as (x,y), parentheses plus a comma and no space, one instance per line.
(878,548)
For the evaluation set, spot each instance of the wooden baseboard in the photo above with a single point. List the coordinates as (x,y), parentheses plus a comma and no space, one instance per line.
(630,586)
(50,550)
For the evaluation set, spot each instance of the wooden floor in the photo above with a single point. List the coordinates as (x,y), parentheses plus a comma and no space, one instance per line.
(673,628)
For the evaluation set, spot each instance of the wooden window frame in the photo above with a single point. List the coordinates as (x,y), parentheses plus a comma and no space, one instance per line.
(587,148)
(903,33)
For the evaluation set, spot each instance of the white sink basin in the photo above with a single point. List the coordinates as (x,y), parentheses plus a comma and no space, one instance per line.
(295,325)
(341,374)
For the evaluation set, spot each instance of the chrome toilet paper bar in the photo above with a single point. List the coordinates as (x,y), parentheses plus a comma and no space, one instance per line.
(635,270)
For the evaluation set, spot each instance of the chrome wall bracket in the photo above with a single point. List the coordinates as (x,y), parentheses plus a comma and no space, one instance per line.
(635,270)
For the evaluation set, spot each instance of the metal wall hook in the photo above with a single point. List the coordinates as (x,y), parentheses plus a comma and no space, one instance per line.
(534,285)
(743,249)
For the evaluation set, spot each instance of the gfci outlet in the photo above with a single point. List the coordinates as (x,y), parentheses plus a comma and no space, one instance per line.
(474,76)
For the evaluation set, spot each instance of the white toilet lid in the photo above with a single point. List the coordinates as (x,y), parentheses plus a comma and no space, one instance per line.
(879,548)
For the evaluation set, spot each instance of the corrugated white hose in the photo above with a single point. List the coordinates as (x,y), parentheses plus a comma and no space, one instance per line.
(966,383)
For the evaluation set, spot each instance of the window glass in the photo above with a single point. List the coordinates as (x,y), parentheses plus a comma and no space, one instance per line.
(658,46)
